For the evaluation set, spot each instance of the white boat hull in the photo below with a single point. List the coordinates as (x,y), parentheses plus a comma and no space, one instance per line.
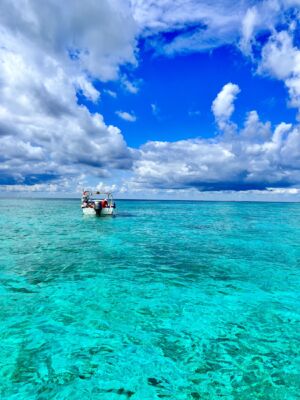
(104,212)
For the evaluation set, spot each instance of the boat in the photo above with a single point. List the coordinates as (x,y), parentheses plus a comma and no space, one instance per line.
(98,203)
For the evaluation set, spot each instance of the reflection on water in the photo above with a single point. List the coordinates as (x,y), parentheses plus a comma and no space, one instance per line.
(150,304)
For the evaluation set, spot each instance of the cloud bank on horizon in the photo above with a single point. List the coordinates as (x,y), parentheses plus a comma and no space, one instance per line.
(53,55)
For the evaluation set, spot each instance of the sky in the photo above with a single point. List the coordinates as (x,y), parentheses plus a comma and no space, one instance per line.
(176,99)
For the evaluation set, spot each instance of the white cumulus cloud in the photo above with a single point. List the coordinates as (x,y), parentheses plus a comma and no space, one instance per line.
(49,54)
(281,59)
(205,25)
(130,117)
(223,105)
(253,158)
(244,163)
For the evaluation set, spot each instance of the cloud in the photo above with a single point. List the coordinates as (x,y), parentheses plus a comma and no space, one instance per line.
(87,89)
(223,105)
(262,18)
(279,56)
(284,190)
(196,27)
(104,188)
(154,109)
(194,113)
(130,117)
(174,26)
(249,22)
(111,93)
(131,87)
(48,55)
(98,36)
(38,187)
(220,165)
(281,59)
(254,158)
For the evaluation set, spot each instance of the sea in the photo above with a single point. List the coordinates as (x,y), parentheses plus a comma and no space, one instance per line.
(167,300)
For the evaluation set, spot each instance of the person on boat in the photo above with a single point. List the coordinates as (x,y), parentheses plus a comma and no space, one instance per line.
(104,203)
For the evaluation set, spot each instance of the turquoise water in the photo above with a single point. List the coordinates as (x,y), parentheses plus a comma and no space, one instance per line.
(168,300)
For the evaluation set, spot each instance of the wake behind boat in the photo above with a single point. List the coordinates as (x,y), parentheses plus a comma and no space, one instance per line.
(98,203)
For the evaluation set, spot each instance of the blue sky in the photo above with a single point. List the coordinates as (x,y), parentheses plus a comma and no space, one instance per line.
(176,99)
(183,87)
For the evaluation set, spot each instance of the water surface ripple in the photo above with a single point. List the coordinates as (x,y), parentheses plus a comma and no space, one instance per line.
(170,300)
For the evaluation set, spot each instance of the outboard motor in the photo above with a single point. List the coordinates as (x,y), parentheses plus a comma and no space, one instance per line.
(98,207)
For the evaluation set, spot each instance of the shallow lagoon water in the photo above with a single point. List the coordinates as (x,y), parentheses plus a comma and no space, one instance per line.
(170,300)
